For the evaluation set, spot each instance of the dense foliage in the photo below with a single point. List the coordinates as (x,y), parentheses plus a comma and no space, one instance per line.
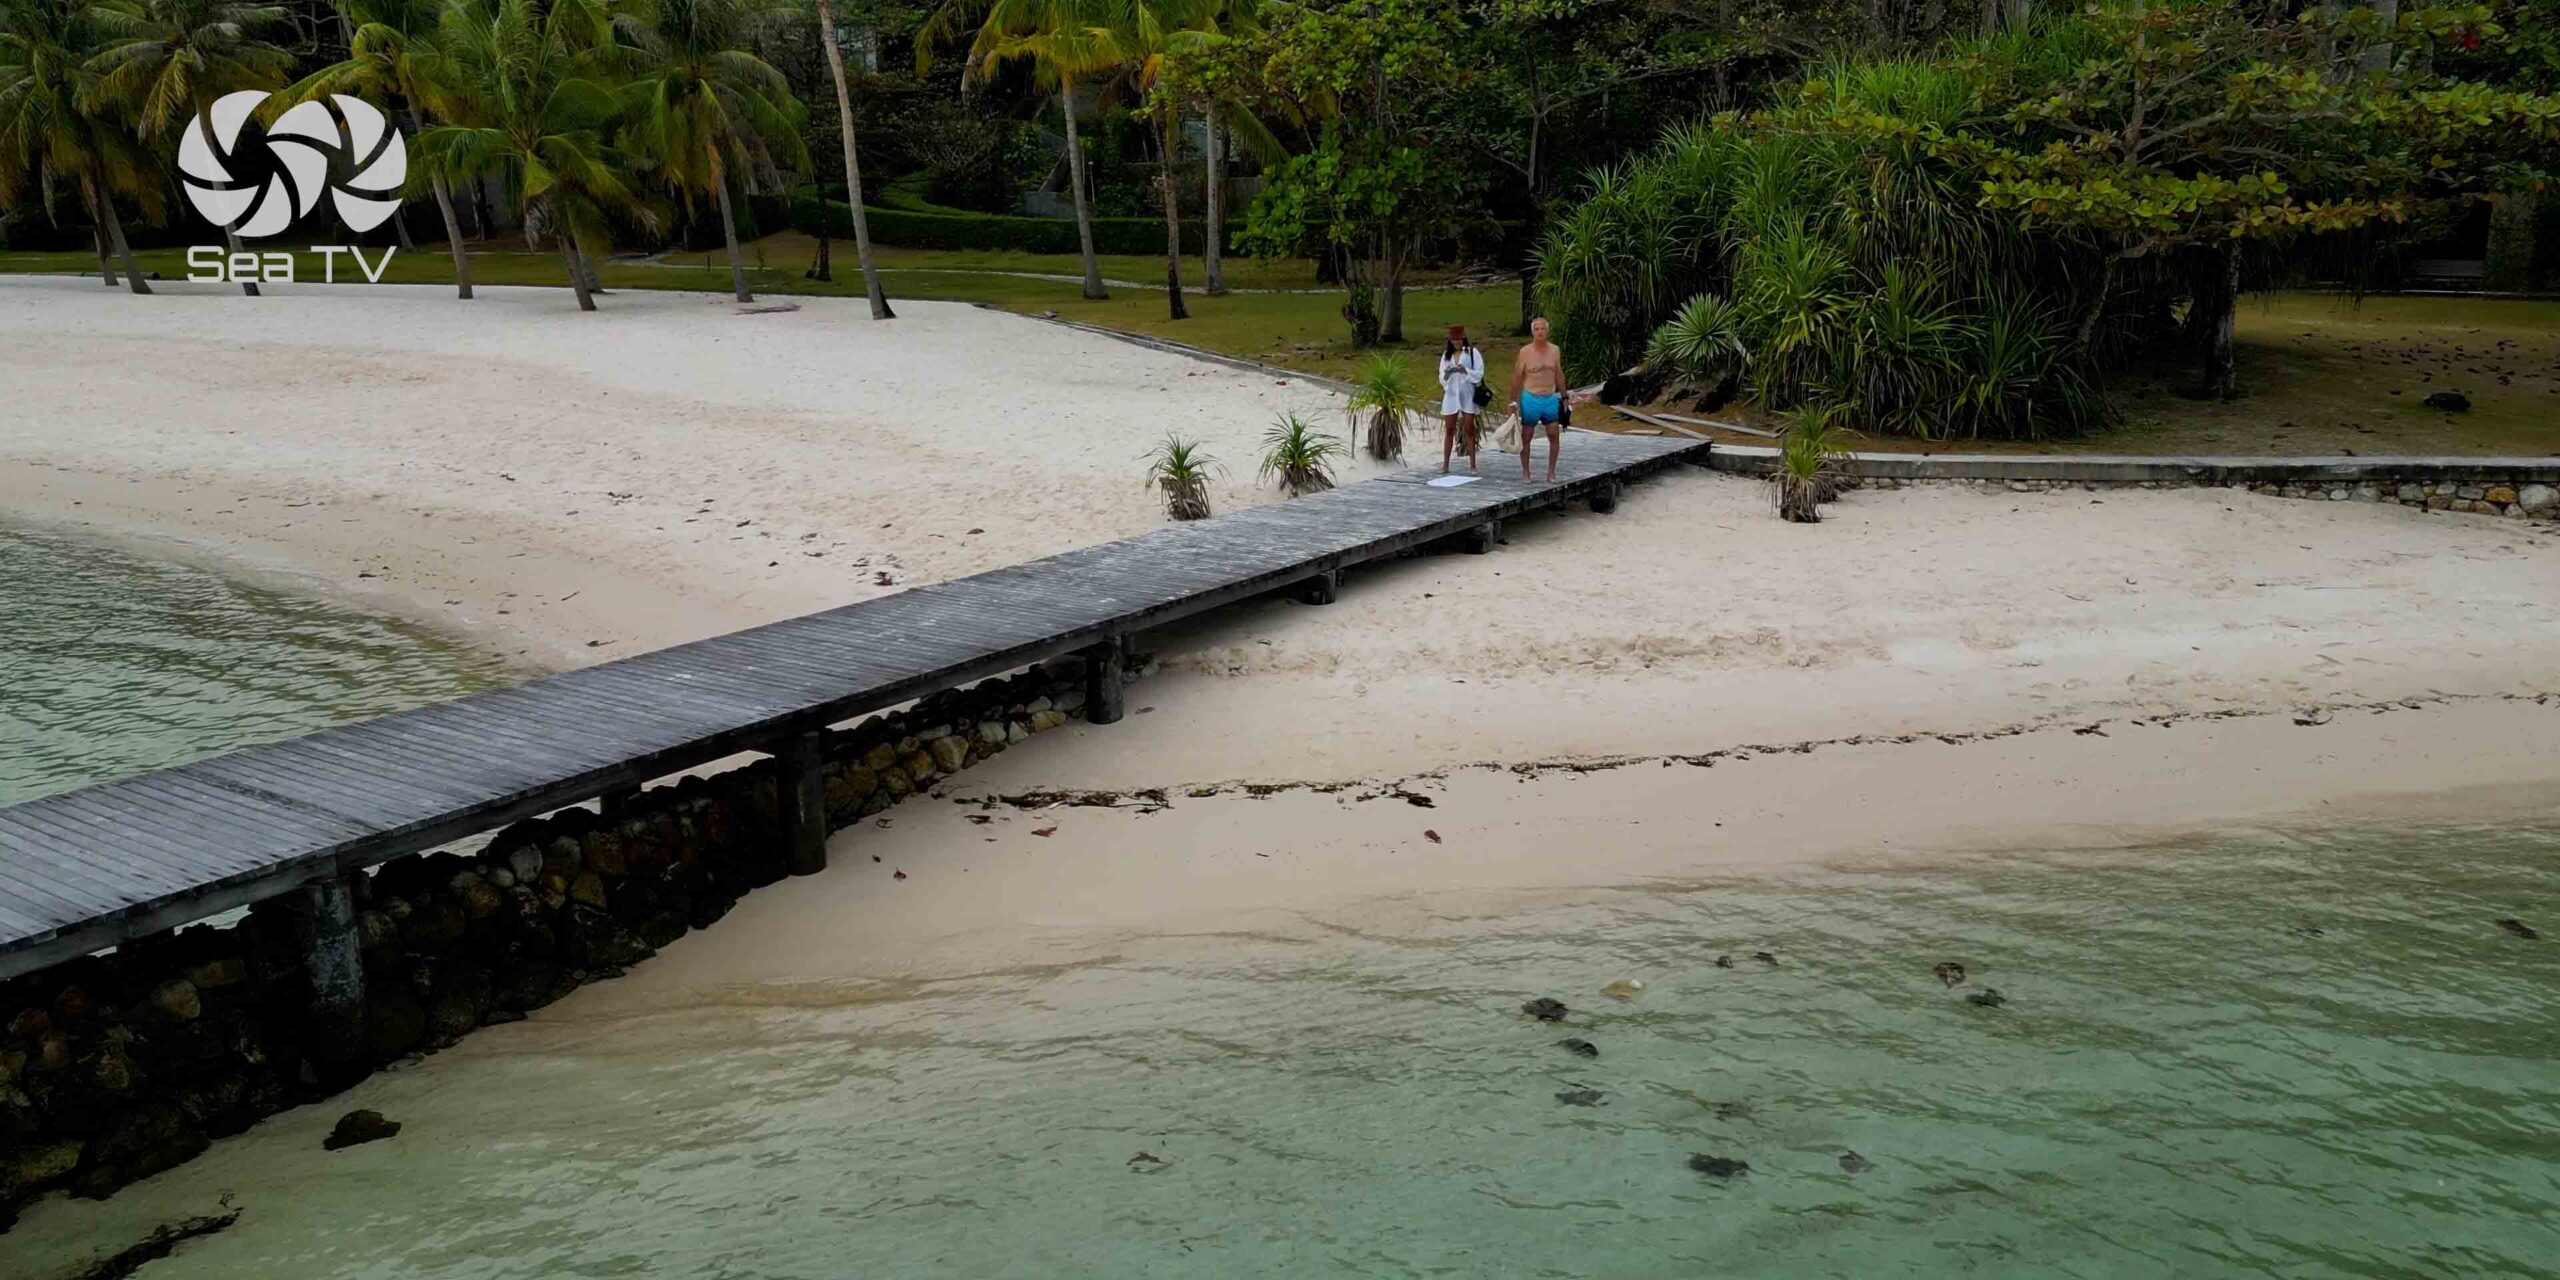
(1957,245)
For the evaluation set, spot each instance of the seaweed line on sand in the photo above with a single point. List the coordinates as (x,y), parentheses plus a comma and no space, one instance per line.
(159,1244)
(1156,799)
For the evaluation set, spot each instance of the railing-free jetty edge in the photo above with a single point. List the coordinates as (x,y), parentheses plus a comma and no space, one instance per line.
(90,868)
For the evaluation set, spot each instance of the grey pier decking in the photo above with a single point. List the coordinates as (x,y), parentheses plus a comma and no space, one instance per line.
(87,869)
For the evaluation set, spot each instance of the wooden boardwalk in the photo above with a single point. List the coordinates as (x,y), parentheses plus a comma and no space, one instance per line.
(90,868)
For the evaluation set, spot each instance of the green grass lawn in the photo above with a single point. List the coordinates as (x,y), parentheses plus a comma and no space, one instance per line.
(2321,374)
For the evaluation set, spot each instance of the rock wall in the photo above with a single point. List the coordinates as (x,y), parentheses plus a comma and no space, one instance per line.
(116,1066)
(2525,501)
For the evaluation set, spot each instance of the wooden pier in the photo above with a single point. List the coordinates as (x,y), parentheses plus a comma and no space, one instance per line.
(90,868)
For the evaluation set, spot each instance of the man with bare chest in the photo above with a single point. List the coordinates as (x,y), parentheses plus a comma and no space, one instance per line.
(1537,378)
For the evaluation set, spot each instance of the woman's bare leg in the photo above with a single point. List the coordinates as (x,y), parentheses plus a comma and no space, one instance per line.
(1448,439)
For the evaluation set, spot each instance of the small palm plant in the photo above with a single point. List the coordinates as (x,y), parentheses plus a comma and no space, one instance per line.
(1702,344)
(1299,455)
(1387,392)
(1180,469)
(1809,463)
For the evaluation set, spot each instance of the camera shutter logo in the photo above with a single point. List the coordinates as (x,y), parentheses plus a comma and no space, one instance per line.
(341,146)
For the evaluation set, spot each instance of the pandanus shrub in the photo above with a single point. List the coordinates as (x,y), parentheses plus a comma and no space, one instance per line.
(1300,457)
(1809,454)
(1179,469)
(1702,344)
(1386,392)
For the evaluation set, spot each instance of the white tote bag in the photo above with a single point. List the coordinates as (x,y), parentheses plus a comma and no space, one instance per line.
(1507,436)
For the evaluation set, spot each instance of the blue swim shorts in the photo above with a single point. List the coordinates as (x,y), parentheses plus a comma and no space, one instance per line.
(1535,408)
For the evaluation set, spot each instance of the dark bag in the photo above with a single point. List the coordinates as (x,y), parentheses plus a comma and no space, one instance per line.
(1484,395)
(1564,410)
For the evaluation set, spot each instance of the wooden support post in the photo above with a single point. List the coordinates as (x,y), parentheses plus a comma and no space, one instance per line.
(1480,539)
(1324,588)
(325,922)
(1605,498)
(1105,694)
(802,790)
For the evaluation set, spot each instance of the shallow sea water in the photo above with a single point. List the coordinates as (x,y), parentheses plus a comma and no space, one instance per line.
(2284,1054)
(112,664)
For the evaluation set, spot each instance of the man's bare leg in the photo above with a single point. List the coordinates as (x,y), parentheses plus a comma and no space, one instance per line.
(1555,445)
(1448,440)
(1528,447)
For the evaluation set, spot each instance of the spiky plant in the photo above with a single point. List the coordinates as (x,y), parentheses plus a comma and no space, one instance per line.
(1387,391)
(1180,469)
(1809,462)
(1299,456)
(1702,344)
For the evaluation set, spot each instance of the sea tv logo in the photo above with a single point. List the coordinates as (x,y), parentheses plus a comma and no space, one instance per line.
(257,182)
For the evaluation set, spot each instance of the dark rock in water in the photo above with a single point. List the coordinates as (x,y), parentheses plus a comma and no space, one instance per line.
(1730,1110)
(2448,401)
(1949,972)
(1988,998)
(1719,1166)
(1148,1162)
(1578,1045)
(356,1128)
(2310,931)
(1764,958)
(1724,962)
(1583,1098)
(1545,1009)
(2520,929)
(1852,1162)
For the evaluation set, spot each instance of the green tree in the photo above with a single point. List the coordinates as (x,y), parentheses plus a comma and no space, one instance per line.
(55,133)
(706,112)
(1065,42)
(528,99)
(392,59)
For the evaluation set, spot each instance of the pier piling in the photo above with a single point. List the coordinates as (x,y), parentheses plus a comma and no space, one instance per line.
(1105,682)
(802,792)
(325,921)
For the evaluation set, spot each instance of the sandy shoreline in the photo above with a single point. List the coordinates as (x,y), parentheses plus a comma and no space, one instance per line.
(1682,689)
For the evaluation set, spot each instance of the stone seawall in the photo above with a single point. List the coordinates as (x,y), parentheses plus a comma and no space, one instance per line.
(2520,488)
(116,1066)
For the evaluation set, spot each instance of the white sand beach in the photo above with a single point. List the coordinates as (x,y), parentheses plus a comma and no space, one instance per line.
(1683,688)
(572,488)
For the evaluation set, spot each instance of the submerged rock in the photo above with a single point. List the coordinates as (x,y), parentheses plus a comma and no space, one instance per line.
(1950,973)
(356,1128)
(2448,401)
(1545,1009)
(1765,958)
(1724,962)
(1853,1163)
(1988,998)
(1578,1046)
(2520,929)
(1623,989)
(1583,1098)
(1719,1166)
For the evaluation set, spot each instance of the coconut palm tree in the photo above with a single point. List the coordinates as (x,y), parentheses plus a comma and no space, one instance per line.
(526,98)
(165,61)
(703,109)
(1066,42)
(54,132)
(1148,34)
(852,170)
(391,56)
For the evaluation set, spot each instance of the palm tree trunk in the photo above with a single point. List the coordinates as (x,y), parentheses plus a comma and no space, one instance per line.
(1075,178)
(577,273)
(248,289)
(1214,207)
(400,225)
(852,172)
(1172,220)
(453,240)
(98,237)
(106,210)
(729,233)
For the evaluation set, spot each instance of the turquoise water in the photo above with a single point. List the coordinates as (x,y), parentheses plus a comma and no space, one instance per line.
(112,664)
(2186,1080)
